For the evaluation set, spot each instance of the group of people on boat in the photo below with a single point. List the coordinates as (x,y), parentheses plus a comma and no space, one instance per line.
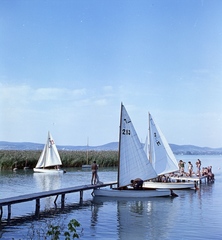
(206,171)
(138,182)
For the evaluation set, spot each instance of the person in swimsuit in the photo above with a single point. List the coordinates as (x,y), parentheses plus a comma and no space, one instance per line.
(190,169)
(94,168)
(198,164)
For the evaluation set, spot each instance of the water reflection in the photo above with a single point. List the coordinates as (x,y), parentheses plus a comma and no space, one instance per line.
(95,210)
(47,182)
(135,216)
(138,219)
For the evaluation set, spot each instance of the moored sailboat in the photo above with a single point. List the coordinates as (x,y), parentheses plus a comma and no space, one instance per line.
(162,159)
(49,161)
(133,163)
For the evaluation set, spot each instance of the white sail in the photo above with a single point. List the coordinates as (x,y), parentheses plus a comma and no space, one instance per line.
(133,162)
(160,153)
(146,147)
(49,156)
(42,158)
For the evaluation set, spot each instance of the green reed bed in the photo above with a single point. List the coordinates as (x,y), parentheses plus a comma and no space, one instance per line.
(10,159)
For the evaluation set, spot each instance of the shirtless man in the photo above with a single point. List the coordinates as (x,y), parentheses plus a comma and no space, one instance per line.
(137,183)
(94,168)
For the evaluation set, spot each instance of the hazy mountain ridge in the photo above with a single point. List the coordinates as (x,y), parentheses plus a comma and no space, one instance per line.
(112,146)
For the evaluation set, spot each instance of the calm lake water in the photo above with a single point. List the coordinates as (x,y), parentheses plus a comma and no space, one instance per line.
(191,215)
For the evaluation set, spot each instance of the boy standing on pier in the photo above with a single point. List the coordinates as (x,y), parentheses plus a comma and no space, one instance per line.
(94,168)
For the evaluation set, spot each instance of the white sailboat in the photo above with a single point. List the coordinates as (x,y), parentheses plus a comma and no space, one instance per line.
(49,161)
(162,159)
(133,163)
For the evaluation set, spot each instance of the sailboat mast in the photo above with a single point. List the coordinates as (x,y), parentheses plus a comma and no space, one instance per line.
(120,132)
(149,139)
(87,152)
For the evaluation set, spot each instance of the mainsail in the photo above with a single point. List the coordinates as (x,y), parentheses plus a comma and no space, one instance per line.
(160,153)
(49,156)
(133,162)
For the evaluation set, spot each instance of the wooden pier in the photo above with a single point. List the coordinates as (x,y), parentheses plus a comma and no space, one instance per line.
(37,196)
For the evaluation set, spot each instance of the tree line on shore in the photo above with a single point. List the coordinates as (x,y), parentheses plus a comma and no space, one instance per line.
(10,159)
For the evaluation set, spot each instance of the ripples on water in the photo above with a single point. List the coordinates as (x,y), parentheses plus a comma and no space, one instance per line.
(192,215)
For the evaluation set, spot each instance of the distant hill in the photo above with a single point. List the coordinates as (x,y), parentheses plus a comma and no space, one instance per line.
(113,146)
(194,150)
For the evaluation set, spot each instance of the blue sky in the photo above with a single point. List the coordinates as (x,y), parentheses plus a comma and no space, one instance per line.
(66,66)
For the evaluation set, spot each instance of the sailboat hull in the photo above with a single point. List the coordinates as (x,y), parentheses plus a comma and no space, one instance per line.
(132,193)
(86,166)
(170,185)
(44,170)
